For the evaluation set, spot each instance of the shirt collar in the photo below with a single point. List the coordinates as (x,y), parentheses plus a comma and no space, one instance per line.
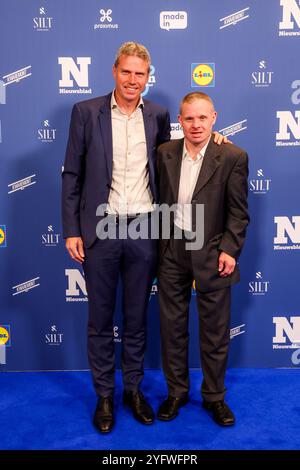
(200,154)
(114,104)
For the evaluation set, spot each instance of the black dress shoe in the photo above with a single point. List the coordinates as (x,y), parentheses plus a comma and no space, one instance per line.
(139,406)
(222,414)
(169,408)
(103,417)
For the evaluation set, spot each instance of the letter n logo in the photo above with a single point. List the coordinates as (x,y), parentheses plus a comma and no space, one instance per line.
(286,329)
(286,227)
(78,70)
(75,279)
(287,121)
(290,8)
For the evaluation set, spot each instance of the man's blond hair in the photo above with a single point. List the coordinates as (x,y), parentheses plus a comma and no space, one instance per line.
(193,96)
(133,49)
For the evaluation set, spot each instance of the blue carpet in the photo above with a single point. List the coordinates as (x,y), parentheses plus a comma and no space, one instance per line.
(53,410)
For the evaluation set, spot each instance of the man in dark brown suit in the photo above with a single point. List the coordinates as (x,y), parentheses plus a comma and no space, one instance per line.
(195,172)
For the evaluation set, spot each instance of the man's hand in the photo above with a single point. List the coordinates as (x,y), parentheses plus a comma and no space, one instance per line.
(219,139)
(74,246)
(226,264)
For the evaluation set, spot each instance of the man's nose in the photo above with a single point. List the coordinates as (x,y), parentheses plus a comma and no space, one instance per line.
(132,78)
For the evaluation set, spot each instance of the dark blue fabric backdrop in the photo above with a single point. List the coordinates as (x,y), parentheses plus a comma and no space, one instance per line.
(245,54)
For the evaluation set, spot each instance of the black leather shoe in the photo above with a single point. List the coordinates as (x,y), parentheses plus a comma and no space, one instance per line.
(103,417)
(169,408)
(139,406)
(222,414)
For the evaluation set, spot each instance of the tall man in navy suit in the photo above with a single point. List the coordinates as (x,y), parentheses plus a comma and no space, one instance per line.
(110,159)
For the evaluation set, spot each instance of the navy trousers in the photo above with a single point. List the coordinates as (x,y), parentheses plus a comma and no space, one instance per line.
(134,261)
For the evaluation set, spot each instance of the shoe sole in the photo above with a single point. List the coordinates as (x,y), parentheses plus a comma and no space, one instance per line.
(167,419)
(175,416)
(128,405)
(209,408)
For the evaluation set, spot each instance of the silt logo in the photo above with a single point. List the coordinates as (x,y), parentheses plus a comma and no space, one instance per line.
(203,75)
(54,338)
(263,76)
(3,236)
(260,286)
(42,22)
(47,133)
(260,184)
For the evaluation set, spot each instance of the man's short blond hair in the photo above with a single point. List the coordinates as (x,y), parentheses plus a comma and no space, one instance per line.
(193,96)
(133,49)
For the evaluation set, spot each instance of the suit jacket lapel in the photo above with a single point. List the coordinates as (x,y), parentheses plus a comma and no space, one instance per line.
(209,165)
(148,124)
(106,133)
(173,165)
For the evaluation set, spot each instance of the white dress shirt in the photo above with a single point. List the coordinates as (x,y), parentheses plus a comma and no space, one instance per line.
(190,170)
(130,191)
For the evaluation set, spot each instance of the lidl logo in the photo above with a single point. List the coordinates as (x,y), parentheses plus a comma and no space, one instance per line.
(203,75)
(2,236)
(5,335)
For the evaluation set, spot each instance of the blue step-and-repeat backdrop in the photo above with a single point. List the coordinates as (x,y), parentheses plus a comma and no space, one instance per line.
(245,55)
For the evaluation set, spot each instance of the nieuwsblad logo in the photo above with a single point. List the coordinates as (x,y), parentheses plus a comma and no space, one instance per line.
(288,134)
(5,338)
(3,242)
(260,286)
(47,133)
(50,238)
(234,18)
(260,184)
(76,290)
(290,22)
(54,338)
(263,77)
(151,80)
(42,22)
(74,75)
(173,20)
(105,20)
(203,75)
(287,233)
(287,333)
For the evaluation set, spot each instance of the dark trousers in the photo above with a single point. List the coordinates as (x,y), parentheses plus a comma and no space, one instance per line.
(175,281)
(135,261)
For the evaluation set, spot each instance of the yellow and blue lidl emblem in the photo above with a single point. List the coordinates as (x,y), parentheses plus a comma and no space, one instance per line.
(2,236)
(5,335)
(203,75)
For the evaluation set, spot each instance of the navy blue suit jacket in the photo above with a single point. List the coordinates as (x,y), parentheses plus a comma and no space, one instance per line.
(87,171)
